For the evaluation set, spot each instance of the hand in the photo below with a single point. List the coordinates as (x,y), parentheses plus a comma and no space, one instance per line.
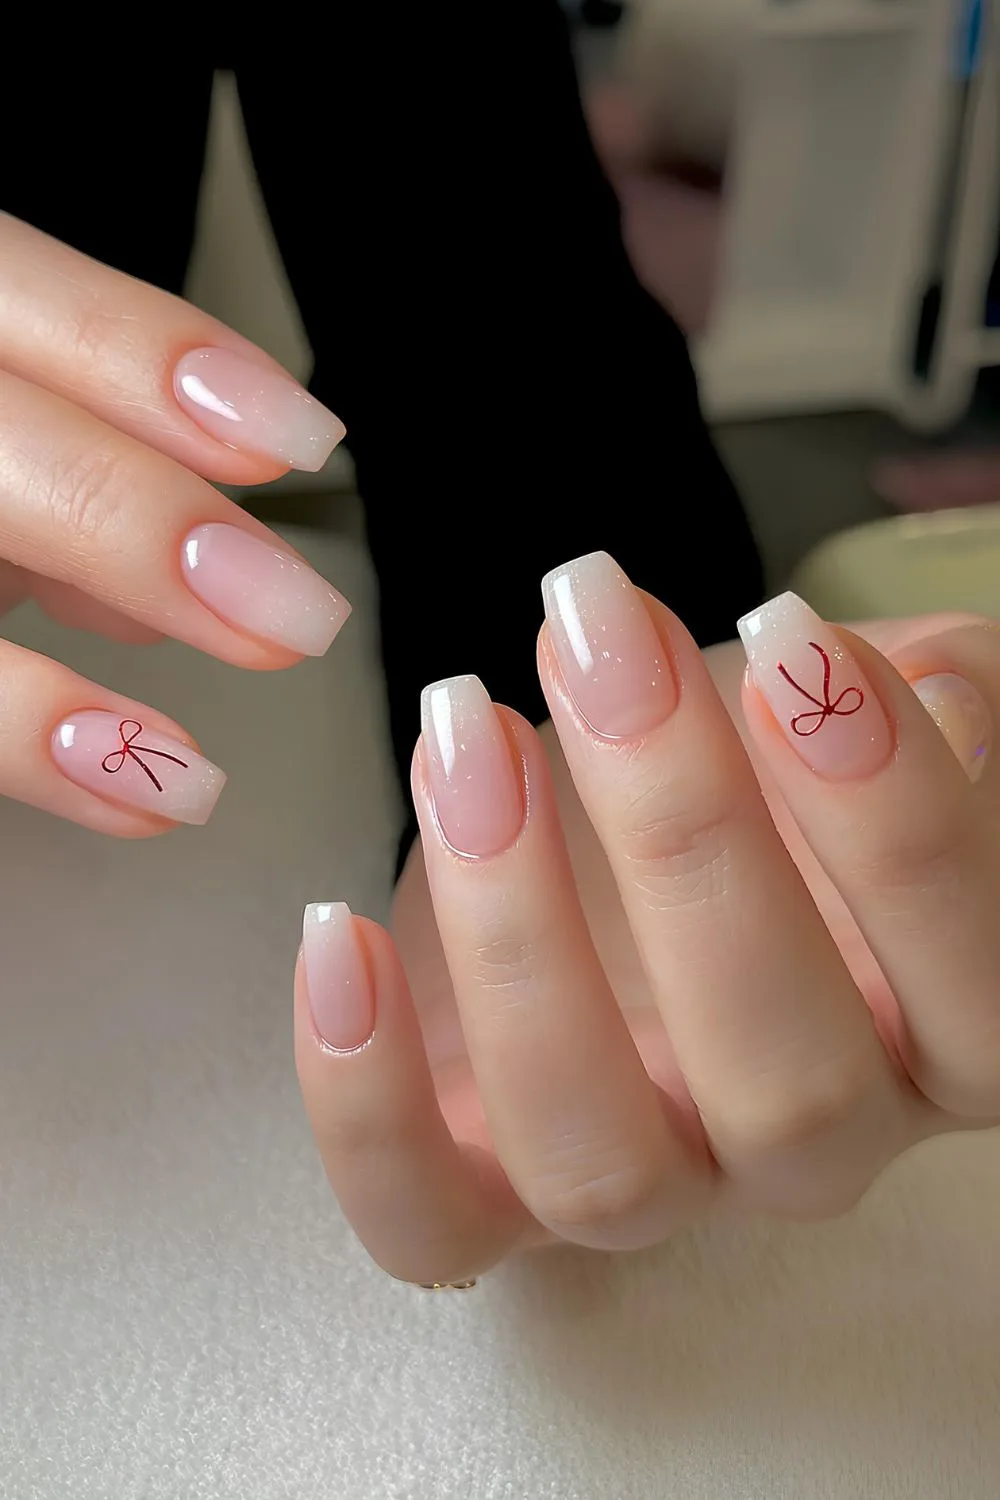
(758,1057)
(114,398)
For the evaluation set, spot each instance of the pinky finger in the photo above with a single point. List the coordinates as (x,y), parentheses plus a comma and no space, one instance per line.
(427,1209)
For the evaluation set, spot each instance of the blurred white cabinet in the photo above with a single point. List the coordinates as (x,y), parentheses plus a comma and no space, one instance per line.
(236,272)
(850,118)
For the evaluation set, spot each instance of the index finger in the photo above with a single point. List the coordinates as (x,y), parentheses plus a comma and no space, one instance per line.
(152,365)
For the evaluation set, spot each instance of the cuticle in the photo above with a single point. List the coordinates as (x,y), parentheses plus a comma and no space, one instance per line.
(332,1051)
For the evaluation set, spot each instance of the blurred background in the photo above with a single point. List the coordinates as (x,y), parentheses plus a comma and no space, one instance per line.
(812,188)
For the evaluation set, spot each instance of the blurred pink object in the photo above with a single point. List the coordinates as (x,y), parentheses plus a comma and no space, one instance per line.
(939,481)
(672,225)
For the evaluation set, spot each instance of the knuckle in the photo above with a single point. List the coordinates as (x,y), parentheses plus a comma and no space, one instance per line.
(350,1136)
(508,957)
(94,328)
(788,1124)
(596,1201)
(925,851)
(965,1083)
(680,834)
(83,496)
(503,960)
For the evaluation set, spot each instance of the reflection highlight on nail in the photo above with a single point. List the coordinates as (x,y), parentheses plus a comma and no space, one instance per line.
(472,778)
(611,658)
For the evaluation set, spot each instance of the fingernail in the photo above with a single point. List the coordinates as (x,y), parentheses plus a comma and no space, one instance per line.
(252,584)
(340,991)
(124,761)
(815,689)
(249,406)
(611,657)
(961,715)
(477,791)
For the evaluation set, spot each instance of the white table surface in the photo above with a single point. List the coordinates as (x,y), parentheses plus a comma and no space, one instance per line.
(183,1314)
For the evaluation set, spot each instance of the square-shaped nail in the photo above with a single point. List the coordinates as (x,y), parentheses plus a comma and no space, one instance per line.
(476,787)
(612,659)
(249,582)
(815,689)
(124,761)
(250,405)
(341,997)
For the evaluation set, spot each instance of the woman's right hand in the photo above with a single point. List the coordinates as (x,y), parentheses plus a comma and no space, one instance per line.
(117,403)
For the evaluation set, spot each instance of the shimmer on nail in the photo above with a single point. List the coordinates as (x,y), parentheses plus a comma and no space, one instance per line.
(247,404)
(252,584)
(123,760)
(477,789)
(818,694)
(612,660)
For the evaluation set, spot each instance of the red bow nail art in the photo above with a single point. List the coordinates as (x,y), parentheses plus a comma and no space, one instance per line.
(127,750)
(824,708)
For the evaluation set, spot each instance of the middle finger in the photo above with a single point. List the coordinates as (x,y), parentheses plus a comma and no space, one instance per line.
(776,1045)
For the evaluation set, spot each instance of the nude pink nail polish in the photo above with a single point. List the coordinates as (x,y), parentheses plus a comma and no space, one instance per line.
(961,714)
(340,991)
(255,408)
(124,761)
(816,690)
(252,584)
(478,793)
(612,660)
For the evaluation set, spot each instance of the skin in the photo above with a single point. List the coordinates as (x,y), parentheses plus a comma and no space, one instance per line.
(542,1105)
(102,476)
(690,980)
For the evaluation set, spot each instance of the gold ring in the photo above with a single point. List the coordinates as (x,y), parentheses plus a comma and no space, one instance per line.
(447,1286)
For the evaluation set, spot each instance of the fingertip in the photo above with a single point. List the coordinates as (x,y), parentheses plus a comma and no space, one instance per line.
(339,984)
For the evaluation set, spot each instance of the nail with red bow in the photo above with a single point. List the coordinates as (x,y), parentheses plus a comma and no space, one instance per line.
(124,760)
(815,689)
(130,730)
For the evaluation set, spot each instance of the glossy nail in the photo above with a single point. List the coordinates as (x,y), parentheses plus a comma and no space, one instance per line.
(340,991)
(962,716)
(477,789)
(612,660)
(816,690)
(255,408)
(252,584)
(124,761)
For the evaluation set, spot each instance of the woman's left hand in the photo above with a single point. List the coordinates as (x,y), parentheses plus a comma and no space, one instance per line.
(776,976)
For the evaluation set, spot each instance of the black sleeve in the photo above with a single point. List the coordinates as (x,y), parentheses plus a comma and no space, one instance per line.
(513,397)
(116,172)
